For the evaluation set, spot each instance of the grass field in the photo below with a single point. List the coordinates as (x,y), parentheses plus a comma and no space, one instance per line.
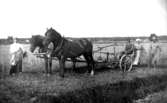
(31,63)
(108,85)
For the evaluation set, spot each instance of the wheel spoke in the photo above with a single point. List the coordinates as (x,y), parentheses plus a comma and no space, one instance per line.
(125,63)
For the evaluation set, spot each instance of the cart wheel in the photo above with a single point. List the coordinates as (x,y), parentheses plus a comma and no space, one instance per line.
(125,63)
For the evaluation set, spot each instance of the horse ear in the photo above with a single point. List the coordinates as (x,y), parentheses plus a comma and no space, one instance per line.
(47,29)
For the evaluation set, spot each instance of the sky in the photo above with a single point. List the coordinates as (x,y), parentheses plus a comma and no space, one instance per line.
(83,18)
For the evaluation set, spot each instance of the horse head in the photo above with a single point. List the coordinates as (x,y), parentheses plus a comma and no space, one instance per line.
(53,36)
(36,41)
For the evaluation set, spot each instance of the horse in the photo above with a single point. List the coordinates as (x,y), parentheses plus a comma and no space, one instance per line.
(63,49)
(37,41)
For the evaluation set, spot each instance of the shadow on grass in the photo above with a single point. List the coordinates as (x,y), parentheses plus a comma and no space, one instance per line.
(101,67)
(121,92)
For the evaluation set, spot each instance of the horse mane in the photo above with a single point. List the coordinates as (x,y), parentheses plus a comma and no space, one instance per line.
(38,40)
(54,32)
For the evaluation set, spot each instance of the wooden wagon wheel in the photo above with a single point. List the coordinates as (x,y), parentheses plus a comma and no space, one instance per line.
(126,63)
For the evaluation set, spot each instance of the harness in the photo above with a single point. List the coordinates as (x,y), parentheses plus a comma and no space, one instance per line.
(58,49)
(55,50)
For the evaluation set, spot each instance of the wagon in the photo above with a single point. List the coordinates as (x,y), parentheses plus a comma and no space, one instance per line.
(114,59)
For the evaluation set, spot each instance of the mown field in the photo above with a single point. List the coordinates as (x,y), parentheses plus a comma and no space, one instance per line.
(108,85)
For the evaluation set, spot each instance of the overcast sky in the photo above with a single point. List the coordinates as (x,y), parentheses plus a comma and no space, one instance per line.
(83,18)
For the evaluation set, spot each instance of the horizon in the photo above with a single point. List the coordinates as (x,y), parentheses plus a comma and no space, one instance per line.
(95,37)
(89,37)
(85,18)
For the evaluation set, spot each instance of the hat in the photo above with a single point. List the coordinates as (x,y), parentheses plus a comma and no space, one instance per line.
(153,37)
(138,40)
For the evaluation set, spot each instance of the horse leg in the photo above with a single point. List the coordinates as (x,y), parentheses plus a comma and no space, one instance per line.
(50,65)
(74,63)
(12,69)
(155,64)
(20,66)
(74,67)
(46,65)
(90,62)
(62,63)
(17,67)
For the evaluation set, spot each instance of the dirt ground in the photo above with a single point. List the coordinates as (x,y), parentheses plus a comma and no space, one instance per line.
(28,86)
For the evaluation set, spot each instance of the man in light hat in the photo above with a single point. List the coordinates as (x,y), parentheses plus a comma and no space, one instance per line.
(16,53)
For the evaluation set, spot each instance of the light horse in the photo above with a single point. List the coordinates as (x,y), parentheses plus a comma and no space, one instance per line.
(37,41)
(64,49)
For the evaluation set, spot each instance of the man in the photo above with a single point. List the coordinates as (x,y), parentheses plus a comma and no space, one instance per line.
(154,51)
(129,48)
(16,53)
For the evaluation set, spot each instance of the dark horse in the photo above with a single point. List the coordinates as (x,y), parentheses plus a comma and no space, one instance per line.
(63,49)
(37,41)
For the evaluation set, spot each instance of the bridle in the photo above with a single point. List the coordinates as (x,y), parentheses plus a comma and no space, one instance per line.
(55,49)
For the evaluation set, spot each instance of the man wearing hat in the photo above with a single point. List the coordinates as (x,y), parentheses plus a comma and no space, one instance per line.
(154,51)
(16,53)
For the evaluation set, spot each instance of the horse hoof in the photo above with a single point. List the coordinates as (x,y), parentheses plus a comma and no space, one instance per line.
(48,75)
(92,73)
(13,74)
(44,74)
(62,76)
